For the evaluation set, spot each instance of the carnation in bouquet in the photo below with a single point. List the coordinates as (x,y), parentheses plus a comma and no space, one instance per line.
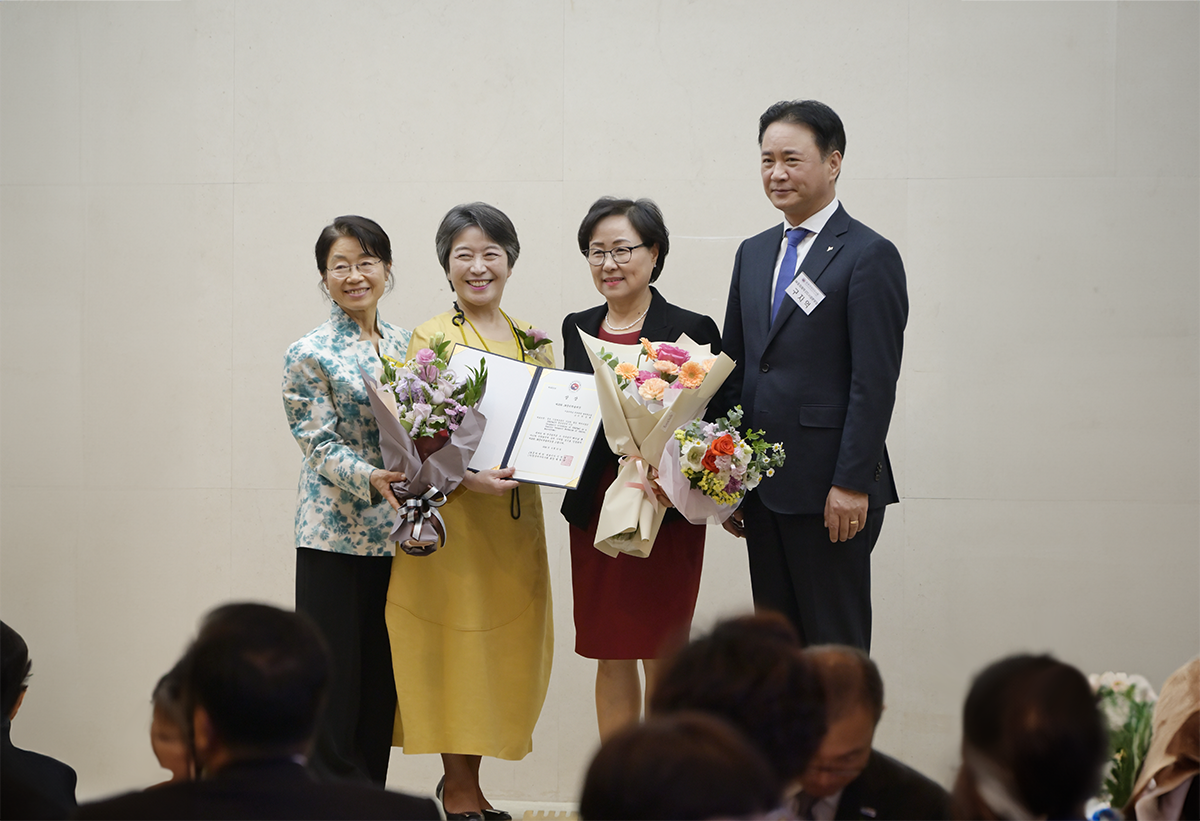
(708,467)
(646,392)
(1127,702)
(429,428)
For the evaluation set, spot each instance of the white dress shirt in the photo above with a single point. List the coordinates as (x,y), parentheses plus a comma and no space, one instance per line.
(814,224)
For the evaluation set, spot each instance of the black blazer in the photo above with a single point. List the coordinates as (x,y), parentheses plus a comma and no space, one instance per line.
(823,383)
(33,785)
(272,788)
(887,789)
(664,323)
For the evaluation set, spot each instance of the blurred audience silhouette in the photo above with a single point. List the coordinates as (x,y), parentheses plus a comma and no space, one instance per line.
(686,765)
(32,785)
(253,685)
(1034,742)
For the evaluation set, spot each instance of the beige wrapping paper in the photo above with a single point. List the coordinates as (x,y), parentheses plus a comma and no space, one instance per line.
(629,520)
(1174,754)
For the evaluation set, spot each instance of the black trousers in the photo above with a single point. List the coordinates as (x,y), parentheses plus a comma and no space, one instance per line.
(346,596)
(823,587)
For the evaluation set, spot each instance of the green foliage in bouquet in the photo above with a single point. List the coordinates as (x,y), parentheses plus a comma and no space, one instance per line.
(428,397)
(1128,706)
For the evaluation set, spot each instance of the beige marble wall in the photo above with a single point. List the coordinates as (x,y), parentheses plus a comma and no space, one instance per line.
(165,168)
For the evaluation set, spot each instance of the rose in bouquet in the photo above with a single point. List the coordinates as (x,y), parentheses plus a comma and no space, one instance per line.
(429,428)
(646,392)
(708,467)
(1127,703)
(658,373)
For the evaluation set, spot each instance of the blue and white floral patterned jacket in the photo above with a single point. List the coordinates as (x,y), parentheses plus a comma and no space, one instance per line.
(328,412)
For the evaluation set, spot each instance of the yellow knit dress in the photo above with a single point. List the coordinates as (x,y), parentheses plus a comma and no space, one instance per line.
(471,627)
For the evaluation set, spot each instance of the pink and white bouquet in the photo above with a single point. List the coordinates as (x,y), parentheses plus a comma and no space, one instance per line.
(658,374)
(676,381)
(708,467)
(429,428)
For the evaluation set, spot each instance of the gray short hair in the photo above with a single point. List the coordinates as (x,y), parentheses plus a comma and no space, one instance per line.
(487,218)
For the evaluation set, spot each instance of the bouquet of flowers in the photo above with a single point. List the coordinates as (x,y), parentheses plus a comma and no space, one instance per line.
(708,467)
(641,408)
(1128,706)
(429,428)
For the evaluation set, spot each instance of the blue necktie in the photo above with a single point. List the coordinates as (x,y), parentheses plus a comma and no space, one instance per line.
(787,268)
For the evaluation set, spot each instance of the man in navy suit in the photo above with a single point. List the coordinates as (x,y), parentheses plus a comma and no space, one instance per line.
(847,778)
(815,321)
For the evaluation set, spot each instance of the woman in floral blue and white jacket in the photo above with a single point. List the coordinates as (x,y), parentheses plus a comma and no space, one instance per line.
(345,506)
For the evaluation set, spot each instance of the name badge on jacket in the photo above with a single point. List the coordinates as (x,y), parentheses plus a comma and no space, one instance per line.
(805,293)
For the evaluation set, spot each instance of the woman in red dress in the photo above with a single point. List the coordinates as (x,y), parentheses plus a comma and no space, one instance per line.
(628,608)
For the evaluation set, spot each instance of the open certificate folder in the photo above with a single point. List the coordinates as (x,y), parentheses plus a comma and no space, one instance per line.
(542,421)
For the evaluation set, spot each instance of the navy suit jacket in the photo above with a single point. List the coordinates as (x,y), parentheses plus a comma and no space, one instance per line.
(824,383)
(33,785)
(271,788)
(889,789)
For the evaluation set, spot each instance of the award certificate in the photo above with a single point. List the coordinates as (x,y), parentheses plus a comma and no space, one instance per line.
(542,421)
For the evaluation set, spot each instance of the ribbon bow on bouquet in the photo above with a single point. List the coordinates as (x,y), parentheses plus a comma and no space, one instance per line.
(418,511)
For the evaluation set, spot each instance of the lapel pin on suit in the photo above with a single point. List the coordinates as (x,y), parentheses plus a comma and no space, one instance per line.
(830,248)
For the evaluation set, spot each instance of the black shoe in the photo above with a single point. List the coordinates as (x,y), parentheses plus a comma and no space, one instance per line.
(462,816)
(490,814)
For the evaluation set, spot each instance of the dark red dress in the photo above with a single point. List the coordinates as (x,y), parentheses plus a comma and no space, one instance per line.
(631,608)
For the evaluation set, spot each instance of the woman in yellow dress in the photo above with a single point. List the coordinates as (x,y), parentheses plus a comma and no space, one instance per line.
(470,625)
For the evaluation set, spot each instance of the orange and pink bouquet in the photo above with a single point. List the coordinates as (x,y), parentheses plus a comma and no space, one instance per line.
(646,393)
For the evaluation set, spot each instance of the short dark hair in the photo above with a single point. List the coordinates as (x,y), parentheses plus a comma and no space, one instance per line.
(487,218)
(851,680)
(371,237)
(168,695)
(645,217)
(260,673)
(15,667)
(1037,722)
(745,672)
(824,123)
(682,766)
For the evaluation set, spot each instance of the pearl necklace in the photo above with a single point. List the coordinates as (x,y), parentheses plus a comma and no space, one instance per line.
(615,329)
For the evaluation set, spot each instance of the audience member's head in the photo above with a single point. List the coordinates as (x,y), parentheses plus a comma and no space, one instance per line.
(751,672)
(15,667)
(681,766)
(254,684)
(853,707)
(168,727)
(1034,742)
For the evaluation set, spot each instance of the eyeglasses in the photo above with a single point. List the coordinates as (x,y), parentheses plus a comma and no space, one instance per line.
(621,254)
(365,267)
